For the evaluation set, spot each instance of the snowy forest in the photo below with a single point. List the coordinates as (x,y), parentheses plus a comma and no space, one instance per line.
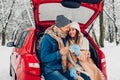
(15,15)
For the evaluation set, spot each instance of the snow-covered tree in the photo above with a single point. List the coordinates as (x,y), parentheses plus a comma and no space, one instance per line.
(111,19)
(15,16)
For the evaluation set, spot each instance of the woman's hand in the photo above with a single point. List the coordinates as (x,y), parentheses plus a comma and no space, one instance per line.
(85,54)
(82,56)
(88,53)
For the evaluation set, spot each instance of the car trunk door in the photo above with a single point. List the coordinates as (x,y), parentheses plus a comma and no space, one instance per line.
(45,12)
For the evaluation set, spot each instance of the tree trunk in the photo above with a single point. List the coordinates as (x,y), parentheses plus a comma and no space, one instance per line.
(116,28)
(102,30)
(3,37)
(111,33)
(5,27)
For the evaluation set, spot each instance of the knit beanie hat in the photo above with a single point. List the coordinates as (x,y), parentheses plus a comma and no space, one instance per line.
(62,21)
(75,25)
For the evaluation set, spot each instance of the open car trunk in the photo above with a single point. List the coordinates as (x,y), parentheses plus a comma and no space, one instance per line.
(82,11)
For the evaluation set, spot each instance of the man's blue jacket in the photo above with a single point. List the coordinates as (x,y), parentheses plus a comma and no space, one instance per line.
(50,54)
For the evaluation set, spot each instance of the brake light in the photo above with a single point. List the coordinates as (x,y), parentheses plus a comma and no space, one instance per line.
(33,65)
(33,68)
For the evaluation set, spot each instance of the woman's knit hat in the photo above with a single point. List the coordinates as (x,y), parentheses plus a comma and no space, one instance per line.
(84,43)
(62,21)
(75,25)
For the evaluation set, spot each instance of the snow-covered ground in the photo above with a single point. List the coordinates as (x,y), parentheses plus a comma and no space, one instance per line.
(113,65)
(111,52)
(4,62)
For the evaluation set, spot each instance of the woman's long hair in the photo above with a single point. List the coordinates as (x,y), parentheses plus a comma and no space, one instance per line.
(77,38)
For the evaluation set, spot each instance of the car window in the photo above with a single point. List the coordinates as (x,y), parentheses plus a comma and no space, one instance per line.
(49,11)
(21,39)
(18,38)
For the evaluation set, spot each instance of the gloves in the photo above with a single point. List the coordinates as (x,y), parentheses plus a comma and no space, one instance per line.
(73,73)
(76,49)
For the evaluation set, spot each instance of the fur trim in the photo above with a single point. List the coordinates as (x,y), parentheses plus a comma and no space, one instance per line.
(57,34)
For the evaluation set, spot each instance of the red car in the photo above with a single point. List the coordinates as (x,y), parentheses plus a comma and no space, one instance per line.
(24,61)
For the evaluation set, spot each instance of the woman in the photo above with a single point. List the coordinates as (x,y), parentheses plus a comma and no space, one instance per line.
(83,57)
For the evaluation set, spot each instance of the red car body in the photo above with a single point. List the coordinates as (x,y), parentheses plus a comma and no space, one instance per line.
(24,62)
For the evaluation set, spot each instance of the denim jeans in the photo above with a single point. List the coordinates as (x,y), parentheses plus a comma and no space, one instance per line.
(85,77)
(59,75)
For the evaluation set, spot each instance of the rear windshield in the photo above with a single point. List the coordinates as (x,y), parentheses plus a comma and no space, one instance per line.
(49,11)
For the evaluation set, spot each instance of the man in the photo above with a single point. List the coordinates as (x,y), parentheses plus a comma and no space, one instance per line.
(53,49)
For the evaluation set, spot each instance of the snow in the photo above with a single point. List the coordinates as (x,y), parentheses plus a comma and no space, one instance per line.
(113,65)
(4,62)
(111,52)
(112,59)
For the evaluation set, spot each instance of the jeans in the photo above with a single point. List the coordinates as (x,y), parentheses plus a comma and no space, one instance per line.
(59,75)
(85,77)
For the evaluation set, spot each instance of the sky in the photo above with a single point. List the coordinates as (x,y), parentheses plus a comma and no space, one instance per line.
(111,52)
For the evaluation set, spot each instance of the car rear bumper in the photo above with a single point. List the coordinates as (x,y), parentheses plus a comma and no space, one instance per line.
(27,76)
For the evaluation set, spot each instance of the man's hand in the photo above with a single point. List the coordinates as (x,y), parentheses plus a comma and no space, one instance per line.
(64,51)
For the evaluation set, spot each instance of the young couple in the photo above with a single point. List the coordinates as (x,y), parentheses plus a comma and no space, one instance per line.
(62,47)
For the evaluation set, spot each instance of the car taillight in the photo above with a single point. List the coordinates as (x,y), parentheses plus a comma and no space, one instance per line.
(33,68)
(34,65)
(31,65)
